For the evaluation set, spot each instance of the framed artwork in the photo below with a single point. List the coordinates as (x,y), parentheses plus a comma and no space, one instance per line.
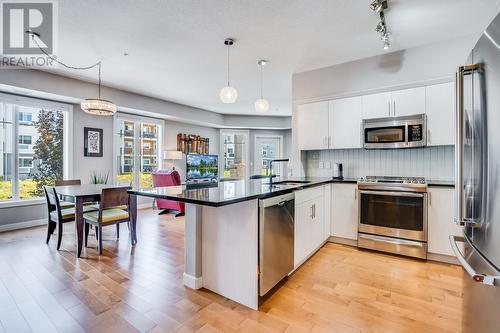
(92,142)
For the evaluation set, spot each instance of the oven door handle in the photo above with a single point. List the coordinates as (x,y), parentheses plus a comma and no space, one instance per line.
(394,194)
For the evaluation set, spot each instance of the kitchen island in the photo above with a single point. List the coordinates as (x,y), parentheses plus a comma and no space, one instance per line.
(222,232)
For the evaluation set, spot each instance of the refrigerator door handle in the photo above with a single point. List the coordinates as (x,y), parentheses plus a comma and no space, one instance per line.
(478,277)
(460,219)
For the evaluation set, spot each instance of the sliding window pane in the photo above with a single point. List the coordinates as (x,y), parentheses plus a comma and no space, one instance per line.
(125,159)
(148,154)
(40,149)
(6,152)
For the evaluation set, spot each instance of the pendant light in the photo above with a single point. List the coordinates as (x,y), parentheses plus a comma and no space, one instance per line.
(261,105)
(98,106)
(228,94)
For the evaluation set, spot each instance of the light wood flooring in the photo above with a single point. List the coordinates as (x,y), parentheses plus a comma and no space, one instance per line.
(340,289)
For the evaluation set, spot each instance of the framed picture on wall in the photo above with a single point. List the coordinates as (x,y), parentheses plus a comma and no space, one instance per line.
(92,146)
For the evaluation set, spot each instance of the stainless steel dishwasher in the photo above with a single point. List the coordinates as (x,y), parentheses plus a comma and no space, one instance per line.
(276,240)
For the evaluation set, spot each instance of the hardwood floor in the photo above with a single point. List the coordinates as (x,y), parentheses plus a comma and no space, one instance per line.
(340,289)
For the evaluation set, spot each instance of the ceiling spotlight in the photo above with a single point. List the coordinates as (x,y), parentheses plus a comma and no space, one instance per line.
(378,5)
(380,28)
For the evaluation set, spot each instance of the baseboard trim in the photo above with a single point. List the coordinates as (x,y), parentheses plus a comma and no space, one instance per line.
(343,241)
(443,258)
(22,225)
(192,282)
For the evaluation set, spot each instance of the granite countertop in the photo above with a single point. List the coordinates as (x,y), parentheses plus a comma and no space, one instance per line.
(229,192)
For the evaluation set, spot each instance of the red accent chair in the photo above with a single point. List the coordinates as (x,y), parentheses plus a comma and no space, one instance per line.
(163,178)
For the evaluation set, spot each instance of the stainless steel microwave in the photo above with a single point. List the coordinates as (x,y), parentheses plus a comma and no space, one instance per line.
(394,132)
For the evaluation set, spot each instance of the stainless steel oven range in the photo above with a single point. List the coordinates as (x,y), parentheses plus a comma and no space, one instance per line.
(393,215)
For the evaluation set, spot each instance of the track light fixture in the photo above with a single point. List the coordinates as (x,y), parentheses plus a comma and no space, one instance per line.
(379,6)
(385,40)
(380,28)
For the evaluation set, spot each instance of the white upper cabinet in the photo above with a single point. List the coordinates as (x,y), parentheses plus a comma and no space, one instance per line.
(394,104)
(408,102)
(376,105)
(345,123)
(336,124)
(312,126)
(440,109)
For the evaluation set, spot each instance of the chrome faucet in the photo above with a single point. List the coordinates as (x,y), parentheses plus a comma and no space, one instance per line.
(271,166)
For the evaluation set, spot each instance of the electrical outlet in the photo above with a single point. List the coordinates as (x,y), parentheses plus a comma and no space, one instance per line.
(328,164)
(321,165)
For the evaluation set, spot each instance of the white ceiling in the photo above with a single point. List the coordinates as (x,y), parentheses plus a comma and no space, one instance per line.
(176,49)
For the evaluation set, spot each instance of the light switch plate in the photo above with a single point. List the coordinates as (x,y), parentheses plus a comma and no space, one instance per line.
(321,165)
(328,164)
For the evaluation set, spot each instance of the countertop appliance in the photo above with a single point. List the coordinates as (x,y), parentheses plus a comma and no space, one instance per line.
(338,172)
(394,132)
(393,215)
(477,171)
(276,240)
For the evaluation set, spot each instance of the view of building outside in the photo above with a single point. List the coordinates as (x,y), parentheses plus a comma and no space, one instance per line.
(38,146)
(145,155)
(234,148)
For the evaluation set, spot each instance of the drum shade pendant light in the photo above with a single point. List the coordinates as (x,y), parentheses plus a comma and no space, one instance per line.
(228,94)
(98,106)
(261,105)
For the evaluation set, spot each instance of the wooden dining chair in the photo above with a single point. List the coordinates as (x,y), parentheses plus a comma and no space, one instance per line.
(113,209)
(67,182)
(57,215)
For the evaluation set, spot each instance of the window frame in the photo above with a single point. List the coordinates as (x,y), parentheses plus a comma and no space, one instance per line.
(67,142)
(136,145)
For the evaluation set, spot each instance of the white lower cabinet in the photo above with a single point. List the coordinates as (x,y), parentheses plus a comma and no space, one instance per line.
(440,220)
(344,211)
(309,222)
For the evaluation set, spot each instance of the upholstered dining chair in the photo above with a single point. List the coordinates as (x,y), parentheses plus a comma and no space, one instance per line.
(113,210)
(57,215)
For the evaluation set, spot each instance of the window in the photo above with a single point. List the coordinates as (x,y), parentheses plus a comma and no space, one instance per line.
(267,148)
(234,145)
(25,162)
(25,139)
(25,117)
(33,146)
(138,150)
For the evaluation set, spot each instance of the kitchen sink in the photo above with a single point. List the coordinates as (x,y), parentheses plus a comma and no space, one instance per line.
(291,182)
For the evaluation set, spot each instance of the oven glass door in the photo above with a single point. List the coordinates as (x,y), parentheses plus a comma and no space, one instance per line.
(394,214)
(389,134)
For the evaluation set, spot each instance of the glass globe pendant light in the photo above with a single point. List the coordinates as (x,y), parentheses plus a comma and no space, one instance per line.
(228,94)
(98,106)
(261,105)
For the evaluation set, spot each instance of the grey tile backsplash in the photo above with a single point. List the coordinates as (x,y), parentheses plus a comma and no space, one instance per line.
(436,163)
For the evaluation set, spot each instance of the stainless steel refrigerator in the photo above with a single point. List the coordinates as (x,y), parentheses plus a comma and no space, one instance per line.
(478,182)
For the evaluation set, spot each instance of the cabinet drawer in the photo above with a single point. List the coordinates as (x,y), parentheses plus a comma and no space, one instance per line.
(308,194)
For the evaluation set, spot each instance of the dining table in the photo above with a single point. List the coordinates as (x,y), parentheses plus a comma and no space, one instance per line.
(87,193)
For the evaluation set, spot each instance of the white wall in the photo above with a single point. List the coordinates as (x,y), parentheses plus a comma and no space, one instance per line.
(172,128)
(419,66)
(83,167)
